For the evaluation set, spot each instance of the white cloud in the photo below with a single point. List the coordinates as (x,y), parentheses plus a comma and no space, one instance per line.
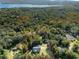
(75,0)
(64,0)
(58,0)
(52,0)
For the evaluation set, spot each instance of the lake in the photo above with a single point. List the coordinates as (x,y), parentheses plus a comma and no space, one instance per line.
(26,5)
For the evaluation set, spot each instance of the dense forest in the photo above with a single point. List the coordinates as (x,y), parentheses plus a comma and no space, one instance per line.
(54,29)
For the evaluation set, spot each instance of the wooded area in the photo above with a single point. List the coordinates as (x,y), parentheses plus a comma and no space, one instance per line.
(23,28)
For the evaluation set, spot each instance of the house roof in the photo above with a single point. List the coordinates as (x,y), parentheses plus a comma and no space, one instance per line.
(36,48)
(70,37)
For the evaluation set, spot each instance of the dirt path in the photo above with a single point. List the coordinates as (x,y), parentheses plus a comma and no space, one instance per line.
(49,49)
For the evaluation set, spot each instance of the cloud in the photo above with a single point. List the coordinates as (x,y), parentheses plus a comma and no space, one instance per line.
(30,1)
(75,0)
(64,0)
(52,0)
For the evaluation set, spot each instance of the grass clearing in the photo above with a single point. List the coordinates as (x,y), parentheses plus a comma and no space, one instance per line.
(8,54)
(71,45)
(43,49)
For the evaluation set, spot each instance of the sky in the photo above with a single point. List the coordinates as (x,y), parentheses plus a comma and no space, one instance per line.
(34,0)
(26,1)
(63,0)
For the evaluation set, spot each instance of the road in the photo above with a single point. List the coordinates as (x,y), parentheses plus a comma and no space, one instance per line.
(49,48)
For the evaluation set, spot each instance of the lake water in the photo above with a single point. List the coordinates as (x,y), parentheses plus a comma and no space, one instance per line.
(26,5)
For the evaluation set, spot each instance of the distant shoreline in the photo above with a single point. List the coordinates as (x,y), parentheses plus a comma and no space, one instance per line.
(26,5)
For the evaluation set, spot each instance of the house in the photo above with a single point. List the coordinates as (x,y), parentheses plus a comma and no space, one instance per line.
(36,49)
(70,37)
